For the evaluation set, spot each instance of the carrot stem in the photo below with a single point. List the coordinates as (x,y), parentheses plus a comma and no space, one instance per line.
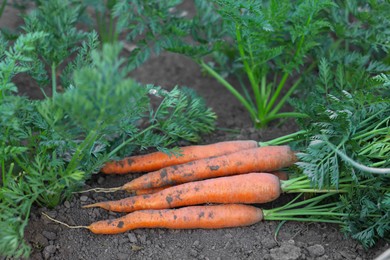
(284,139)
(304,219)
(358,165)
(54,79)
(251,77)
(124,143)
(310,209)
(232,90)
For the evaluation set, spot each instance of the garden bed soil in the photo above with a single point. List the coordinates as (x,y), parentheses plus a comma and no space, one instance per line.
(294,241)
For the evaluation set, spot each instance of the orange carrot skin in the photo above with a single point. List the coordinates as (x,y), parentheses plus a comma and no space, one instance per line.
(283,176)
(246,188)
(158,160)
(206,217)
(262,159)
(148,191)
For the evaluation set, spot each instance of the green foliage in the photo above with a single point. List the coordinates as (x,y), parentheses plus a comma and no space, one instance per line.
(362,26)
(104,19)
(50,147)
(367,214)
(58,19)
(268,43)
(17,59)
(346,140)
(82,59)
(149,25)
(350,111)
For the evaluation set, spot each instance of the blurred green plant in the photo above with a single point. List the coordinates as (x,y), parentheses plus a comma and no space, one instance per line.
(264,43)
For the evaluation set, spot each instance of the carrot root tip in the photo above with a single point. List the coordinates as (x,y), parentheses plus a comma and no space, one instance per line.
(105,190)
(62,223)
(94,205)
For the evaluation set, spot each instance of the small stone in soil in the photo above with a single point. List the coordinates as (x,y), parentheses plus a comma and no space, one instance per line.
(132,238)
(84,198)
(287,251)
(196,243)
(136,248)
(269,243)
(100,180)
(193,252)
(67,204)
(49,235)
(347,255)
(316,250)
(51,249)
(41,240)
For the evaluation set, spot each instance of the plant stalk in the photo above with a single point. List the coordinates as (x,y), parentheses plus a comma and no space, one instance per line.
(227,85)
(54,79)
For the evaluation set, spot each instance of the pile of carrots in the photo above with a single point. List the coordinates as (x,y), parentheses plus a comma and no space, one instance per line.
(206,186)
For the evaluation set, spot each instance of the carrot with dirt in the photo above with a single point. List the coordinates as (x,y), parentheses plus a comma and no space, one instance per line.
(217,216)
(206,217)
(245,188)
(157,160)
(261,159)
(148,191)
(282,175)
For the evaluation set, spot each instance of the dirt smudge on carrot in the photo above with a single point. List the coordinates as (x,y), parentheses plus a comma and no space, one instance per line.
(130,161)
(120,224)
(163,174)
(214,167)
(120,163)
(169,199)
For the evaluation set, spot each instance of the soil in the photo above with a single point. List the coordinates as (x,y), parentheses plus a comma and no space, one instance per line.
(294,241)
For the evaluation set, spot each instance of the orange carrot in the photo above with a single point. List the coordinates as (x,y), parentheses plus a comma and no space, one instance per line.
(157,160)
(206,217)
(246,188)
(262,159)
(148,191)
(283,176)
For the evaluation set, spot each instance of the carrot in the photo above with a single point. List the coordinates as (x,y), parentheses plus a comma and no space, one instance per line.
(246,188)
(283,176)
(262,159)
(206,217)
(148,191)
(157,160)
